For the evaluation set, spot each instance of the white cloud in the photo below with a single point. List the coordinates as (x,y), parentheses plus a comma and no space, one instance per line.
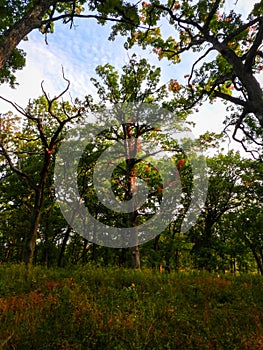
(79,51)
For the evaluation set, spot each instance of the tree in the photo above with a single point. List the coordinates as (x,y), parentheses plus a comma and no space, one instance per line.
(18,18)
(251,220)
(230,45)
(228,58)
(47,120)
(225,194)
(247,221)
(136,87)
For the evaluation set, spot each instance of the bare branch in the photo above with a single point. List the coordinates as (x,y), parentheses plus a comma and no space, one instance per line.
(234,135)
(18,108)
(230,98)
(51,101)
(177,19)
(98,17)
(197,61)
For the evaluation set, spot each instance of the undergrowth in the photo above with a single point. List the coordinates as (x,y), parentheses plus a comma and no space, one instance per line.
(118,309)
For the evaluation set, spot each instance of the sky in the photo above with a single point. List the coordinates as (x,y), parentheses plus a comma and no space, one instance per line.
(80,50)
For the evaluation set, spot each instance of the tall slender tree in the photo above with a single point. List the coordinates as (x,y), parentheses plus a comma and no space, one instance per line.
(47,120)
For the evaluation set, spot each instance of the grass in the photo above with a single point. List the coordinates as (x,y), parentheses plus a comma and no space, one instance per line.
(115,309)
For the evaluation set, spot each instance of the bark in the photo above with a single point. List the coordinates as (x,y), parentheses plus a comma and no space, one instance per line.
(93,256)
(63,246)
(156,243)
(258,257)
(66,236)
(32,237)
(136,263)
(85,250)
(131,151)
(246,77)
(30,243)
(8,253)
(31,20)
(122,258)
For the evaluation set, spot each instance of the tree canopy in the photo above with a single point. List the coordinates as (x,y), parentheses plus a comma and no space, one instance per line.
(20,17)
(226,47)
(228,56)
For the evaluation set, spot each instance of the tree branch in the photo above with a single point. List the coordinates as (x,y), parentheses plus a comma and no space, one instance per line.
(15,169)
(18,108)
(197,61)
(230,98)
(210,15)
(31,20)
(242,29)
(250,58)
(234,135)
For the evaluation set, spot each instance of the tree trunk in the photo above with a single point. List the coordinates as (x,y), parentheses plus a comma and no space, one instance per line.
(63,246)
(8,253)
(93,256)
(136,263)
(31,20)
(30,243)
(32,237)
(85,250)
(66,236)
(254,90)
(257,256)
(122,258)
(258,259)
(130,152)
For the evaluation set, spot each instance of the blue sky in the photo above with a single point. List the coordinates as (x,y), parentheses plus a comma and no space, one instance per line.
(80,50)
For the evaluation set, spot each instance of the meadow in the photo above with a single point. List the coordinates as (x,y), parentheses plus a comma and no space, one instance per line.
(117,309)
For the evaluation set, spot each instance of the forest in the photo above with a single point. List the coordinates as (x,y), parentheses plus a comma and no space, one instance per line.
(113,216)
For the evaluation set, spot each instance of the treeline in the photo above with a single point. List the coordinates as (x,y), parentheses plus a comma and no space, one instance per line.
(227,235)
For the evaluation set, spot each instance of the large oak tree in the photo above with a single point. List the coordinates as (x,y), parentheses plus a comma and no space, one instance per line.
(227,57)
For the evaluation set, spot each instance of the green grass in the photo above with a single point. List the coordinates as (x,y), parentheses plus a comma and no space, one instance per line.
(96,308)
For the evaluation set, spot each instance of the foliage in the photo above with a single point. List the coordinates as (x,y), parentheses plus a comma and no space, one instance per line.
(226,48)
(19,17)
(227,235)
(217,243)
(131,95)
(228,196)
(29,154)
(227,57)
